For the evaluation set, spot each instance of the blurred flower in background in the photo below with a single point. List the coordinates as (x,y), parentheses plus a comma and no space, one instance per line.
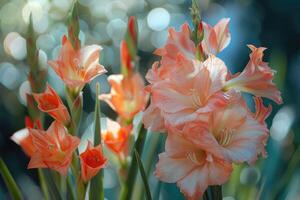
(273,24)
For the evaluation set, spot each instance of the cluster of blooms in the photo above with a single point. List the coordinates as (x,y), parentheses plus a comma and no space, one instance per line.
(55,147)
(198,103)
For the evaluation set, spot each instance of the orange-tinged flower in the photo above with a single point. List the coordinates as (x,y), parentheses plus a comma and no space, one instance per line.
(127,96)
(232,133)
(256,78)
(54,148)
(77,67)
(116,137)
(191,91)
(92,160)
(177,43)
(50,102)
(23,138)
(184,162)
(153,119)
(125,57)
(216,38)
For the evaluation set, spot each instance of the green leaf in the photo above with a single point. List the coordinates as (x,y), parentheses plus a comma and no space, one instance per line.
(131,176)
(143,175)
(96,186)
(10,182)
(53,190)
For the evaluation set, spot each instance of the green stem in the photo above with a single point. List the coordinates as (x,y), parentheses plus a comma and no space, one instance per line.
(292,166)
(96,186)
(43,184)
(131,176)
(213,192)
(10,182)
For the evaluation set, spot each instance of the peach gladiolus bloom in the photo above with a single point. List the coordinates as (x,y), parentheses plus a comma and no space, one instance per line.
(92,160)
(127,96)
(216,38)
(233,133)
(256,78)
(77,67)
(116,137)
(54,148)
(153,119)
(23,138)
(184,162)
(191,91)
(50,102)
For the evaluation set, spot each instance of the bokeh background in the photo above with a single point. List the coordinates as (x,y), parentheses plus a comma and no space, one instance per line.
(270,23)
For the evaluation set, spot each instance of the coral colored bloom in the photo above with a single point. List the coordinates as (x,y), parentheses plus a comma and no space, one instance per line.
(153,119)
(178,43)
(50,102)
(54,148)
(256,78)
(191,91)
(184,162)
(92,160)
(216,38)
(232,134)
(127,96)
(23,138)
(77,67)
(125,56)
(116,137)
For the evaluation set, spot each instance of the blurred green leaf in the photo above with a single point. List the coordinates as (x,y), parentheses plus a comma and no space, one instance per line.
(143,175)
(10,182)
(96,186)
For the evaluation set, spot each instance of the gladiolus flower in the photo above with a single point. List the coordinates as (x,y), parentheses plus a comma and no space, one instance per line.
(256,78)
(216,38)
(92,160)
(232,134)
(153,119)
(127,96)
(23,138)
(184,162)
(191,91)
(54,148)
(125,57)
(77,67)
(177,43)
(50,102)
(116,137)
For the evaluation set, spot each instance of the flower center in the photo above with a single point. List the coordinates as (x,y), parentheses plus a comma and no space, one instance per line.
(196,157)
(195,98)
(224,136)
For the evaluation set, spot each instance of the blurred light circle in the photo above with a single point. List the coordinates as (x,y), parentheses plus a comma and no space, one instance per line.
(64,5)
(45,41)
(41,25)
(42,59)
(15,46)
(282,123)
(116,29)
(82,37)
(35,9)
(158,39)
(9,75)
(116,9)
(100,33)
(23,90)
(110,179)
(158,19)
(98,9)
(250,175)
